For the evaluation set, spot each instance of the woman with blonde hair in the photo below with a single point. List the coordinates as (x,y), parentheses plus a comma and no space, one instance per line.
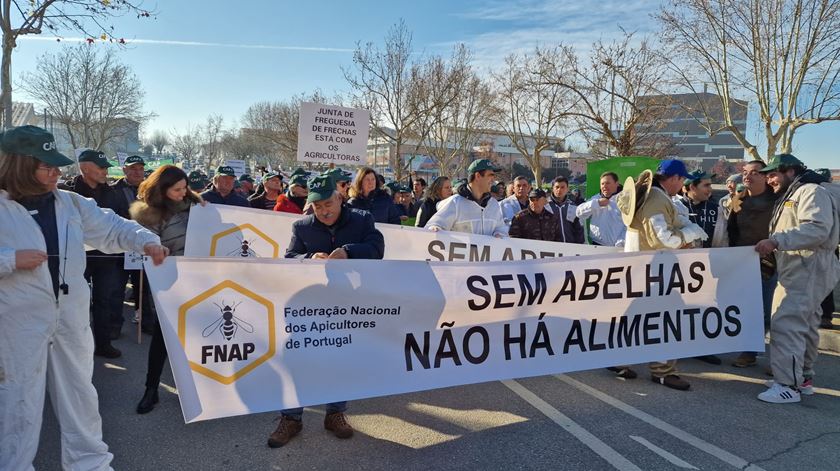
(45,301)
(367,196)
(163,206)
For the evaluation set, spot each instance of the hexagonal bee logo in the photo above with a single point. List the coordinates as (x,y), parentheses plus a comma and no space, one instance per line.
(227,331)
(243,240)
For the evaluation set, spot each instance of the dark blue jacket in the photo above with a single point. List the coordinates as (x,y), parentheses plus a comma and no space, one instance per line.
(380,204)
(354,232)
(233,198)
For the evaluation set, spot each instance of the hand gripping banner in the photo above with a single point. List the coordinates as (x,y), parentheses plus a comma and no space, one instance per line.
(254,335)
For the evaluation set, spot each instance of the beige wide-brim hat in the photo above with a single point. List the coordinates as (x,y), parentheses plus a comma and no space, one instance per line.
(633,196)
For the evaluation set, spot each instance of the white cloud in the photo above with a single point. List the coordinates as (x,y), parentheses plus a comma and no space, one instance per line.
(167,42)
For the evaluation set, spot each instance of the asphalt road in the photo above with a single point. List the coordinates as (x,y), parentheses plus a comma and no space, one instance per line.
(583,421)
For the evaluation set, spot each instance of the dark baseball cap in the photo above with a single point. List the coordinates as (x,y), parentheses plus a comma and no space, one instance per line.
(320,188)
(134,160)
(482,164)
(246,178)
(298,180)
(34,142)
(779,160)
(673,167)
(697,175)
(300,171)
(270,175)
(537,193)
(339,175)
(197,180)
(96,157)
(226,170)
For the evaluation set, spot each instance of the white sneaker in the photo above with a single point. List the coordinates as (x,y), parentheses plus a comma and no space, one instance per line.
(806,388)
(779,394)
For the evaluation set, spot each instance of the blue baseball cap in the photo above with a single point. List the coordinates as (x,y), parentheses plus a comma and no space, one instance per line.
(673,167)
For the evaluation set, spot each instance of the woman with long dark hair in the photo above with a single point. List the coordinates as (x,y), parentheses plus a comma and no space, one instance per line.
(440,190)
(45,301)
(163,207)
(367,196)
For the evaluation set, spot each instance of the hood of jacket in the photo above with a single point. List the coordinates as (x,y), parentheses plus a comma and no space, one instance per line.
(466,192)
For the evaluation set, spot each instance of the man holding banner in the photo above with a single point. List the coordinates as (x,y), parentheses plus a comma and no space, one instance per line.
(472,209)
(334,231)
(653,224)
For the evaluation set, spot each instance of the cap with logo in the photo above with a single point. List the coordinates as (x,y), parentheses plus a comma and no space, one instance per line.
(299,180)
(537,193)
(696,176)
(96,157)
(270,175)
(134,160)
(320,188)
(672,167)
(246,178)
(781,160)
(824,172)
(482,164)
(197,180)
(34,142)
(226,170)
(339,175)
(403,189)
(300,171)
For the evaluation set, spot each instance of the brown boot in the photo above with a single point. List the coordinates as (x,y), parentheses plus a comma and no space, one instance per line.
(745,360)
(672,381)
(337,424)
(286,429)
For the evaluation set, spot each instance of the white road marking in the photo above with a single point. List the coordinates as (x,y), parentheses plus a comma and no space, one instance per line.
(594,443)
(663,453)
(717,452)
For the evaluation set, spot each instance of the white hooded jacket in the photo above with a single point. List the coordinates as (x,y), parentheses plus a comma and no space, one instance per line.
(462,213)
(43,336)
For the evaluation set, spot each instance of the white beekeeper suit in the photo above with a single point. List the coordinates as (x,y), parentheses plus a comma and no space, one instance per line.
(44,340)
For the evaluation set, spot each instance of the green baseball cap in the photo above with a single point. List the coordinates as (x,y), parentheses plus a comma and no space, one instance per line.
(320,188)
(403,189)
(34,142)
(299,180)
(778,160)
(96,157)
(824,172)
(695,177)
(134,160)
(482,164)
(270,175)
(225,170)
(197,180)
(339,175)
(246,178)
(300,171)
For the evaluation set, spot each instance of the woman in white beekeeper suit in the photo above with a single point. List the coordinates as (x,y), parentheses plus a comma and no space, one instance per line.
(45,336)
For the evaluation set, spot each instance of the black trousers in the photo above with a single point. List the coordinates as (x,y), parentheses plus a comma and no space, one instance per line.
(157,358)
(104,275)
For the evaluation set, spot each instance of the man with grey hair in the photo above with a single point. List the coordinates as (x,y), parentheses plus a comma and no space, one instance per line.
(222,191)
(103,272)
(334,231)
(518,201)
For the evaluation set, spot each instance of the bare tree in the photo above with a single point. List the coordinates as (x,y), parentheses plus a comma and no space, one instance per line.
(456,101)
(211,134)
(619,104)
(275,124)
(187,145)
(159,140)
(384,81)
(782,55)
(88,17)
(89,93)
(530,111)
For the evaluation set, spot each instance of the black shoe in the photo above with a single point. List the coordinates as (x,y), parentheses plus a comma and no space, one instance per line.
(107,351)
(672,381)
(150,398)
(826,324)
(623,372)
(710,359)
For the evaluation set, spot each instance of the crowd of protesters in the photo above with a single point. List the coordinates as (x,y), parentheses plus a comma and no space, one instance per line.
(74,297)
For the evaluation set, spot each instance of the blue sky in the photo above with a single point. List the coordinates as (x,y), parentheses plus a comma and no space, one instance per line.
(198,58)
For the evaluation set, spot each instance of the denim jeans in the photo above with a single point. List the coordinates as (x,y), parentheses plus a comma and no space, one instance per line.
(332,408)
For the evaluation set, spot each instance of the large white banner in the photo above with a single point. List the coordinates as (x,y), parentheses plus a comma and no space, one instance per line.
(231,231)
(332,134)
(247,336)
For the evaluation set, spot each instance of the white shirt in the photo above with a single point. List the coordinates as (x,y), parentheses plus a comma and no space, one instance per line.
(605,225)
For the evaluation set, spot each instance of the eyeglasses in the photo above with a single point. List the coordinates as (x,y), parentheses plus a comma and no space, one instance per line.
(49,169)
